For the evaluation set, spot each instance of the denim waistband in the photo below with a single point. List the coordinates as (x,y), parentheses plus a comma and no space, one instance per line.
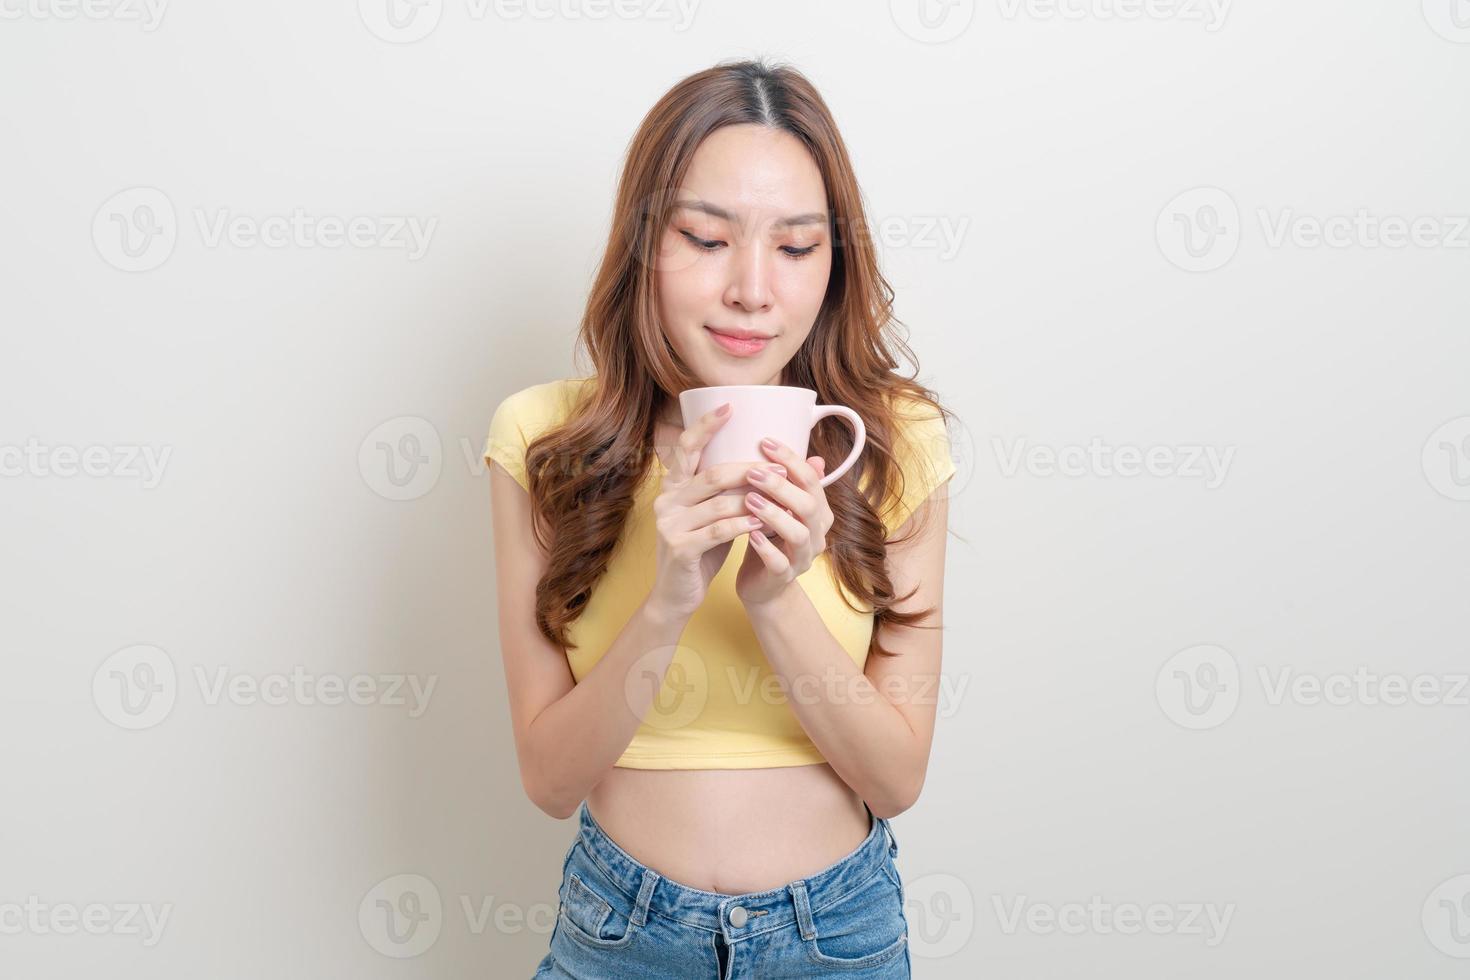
(762,911)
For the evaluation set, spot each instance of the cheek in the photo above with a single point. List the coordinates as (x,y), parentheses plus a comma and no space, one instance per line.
(806,284)
(689,288)
(683,304)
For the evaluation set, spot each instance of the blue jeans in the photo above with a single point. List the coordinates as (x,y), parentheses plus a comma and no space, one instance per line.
(619,920)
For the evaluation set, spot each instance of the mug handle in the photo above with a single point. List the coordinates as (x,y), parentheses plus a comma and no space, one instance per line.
(822,411)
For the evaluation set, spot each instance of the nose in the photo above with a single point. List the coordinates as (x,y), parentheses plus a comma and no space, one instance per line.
(750,280)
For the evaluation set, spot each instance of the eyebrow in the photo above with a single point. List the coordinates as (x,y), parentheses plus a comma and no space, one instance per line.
(715,211)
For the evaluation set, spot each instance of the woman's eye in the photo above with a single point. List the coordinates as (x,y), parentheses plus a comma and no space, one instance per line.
(708,246)
(798,253)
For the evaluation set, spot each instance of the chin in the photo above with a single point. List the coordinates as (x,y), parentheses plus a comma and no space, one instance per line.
(715,379)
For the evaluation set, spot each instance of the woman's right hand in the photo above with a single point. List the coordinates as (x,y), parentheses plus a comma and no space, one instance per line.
(696,523)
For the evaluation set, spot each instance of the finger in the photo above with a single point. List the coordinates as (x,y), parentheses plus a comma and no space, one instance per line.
(773,556)
(698,541)
(789,526)
(797,469)
(819,464)
(706,512)
(783,492)
(692,442)
(715,480)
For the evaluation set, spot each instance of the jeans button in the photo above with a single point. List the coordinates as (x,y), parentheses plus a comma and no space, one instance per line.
(738,917)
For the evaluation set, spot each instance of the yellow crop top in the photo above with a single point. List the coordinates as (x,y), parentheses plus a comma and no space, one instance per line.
(720,706)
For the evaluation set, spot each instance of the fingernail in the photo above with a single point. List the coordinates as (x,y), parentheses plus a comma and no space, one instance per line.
(758,475)
(769,444)
(723,410)
(755,500)
(779,470)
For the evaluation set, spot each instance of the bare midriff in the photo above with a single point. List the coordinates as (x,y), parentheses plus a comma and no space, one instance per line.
(731,831)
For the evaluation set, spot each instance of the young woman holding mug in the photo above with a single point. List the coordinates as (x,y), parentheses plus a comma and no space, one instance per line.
(733,716)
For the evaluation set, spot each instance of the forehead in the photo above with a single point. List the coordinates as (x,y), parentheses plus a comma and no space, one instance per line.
(754,170)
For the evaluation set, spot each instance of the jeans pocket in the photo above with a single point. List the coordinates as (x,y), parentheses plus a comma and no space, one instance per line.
(863,929)
(595,913)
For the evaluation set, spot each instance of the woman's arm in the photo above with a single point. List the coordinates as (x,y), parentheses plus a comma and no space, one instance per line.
(873,725)
(567,734)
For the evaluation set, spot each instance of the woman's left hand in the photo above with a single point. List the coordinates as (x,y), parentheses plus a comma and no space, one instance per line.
(795,508)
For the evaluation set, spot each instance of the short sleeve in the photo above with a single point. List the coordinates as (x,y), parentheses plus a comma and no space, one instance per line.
(506,444)
(923,455)
(522,417)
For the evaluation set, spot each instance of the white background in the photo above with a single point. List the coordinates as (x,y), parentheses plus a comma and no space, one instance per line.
(322,506)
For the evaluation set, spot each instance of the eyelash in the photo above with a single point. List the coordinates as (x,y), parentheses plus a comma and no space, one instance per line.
(703,245)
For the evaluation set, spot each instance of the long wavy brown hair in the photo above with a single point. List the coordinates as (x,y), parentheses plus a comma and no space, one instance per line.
(584,472)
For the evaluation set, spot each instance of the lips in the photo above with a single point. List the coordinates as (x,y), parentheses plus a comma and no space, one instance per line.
(741,346)
(738,333)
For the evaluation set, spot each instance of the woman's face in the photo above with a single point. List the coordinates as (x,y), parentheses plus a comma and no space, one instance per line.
(747,250)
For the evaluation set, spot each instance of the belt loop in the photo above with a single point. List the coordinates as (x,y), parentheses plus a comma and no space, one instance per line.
(892,839)
(645,895)
(803,910)
(567,861)
(586,827)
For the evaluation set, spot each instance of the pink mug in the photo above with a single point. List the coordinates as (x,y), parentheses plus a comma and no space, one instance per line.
(782,412)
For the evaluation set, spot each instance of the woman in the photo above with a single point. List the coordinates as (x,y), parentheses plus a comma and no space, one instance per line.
(732,737)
